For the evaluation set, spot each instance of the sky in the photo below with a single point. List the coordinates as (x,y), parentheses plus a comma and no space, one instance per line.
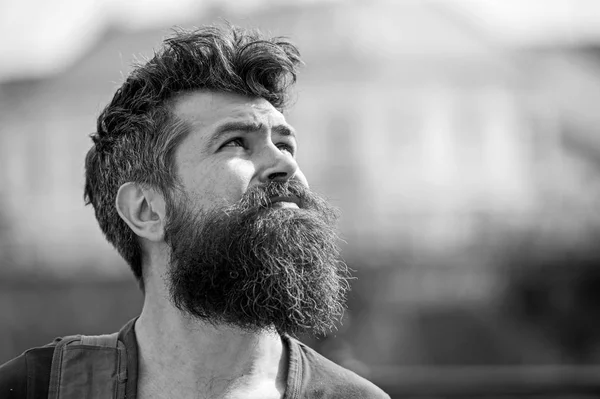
(41,36)
(535,22)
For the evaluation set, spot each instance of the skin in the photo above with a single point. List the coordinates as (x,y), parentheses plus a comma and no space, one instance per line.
(199,359)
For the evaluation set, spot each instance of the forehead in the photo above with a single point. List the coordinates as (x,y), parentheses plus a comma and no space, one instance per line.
(204,110)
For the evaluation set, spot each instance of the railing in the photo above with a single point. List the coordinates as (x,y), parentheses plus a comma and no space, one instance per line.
(504,382)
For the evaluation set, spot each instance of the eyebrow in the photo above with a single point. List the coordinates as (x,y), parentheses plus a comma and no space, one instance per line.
(247,127)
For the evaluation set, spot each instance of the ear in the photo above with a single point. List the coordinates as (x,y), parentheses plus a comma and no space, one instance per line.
(143,210)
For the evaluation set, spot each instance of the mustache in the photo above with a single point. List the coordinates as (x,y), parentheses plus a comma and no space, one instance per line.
(258,200)
(260,196)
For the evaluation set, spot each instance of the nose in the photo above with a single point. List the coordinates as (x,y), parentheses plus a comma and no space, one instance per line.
(276,165)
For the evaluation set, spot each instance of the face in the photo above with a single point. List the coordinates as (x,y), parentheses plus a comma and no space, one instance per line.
(235,143)
(250,245)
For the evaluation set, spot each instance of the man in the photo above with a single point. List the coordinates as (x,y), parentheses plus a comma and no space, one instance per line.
(193,178)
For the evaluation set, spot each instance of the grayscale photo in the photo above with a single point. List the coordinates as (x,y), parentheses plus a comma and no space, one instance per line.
(299,199)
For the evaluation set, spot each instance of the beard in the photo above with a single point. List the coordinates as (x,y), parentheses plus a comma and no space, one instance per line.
(256,267)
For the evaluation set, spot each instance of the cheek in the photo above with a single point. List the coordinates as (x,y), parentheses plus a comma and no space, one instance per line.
(224,184)
(235,180)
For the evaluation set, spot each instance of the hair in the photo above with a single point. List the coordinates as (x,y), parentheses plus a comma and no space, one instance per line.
(137,132)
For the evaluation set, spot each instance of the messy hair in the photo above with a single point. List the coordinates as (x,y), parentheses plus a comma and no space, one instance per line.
(137,132)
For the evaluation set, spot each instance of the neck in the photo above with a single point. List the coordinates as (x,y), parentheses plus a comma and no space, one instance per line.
(178,353)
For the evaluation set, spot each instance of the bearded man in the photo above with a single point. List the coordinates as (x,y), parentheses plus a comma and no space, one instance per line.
(193,178)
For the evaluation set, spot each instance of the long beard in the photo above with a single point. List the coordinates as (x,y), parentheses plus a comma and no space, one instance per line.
(256,267)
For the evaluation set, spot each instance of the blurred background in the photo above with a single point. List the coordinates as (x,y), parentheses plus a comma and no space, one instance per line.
(460,139)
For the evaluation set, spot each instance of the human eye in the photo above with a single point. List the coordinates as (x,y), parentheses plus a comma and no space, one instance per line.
(234,142)
(287,147)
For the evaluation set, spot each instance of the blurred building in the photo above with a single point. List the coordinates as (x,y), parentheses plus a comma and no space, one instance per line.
(431,137)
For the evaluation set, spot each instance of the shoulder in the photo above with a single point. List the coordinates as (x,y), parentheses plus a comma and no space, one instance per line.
(322,378)
(28,375)
(27,372)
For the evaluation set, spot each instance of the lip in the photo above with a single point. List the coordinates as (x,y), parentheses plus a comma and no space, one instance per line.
(285,201)
(284,204)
